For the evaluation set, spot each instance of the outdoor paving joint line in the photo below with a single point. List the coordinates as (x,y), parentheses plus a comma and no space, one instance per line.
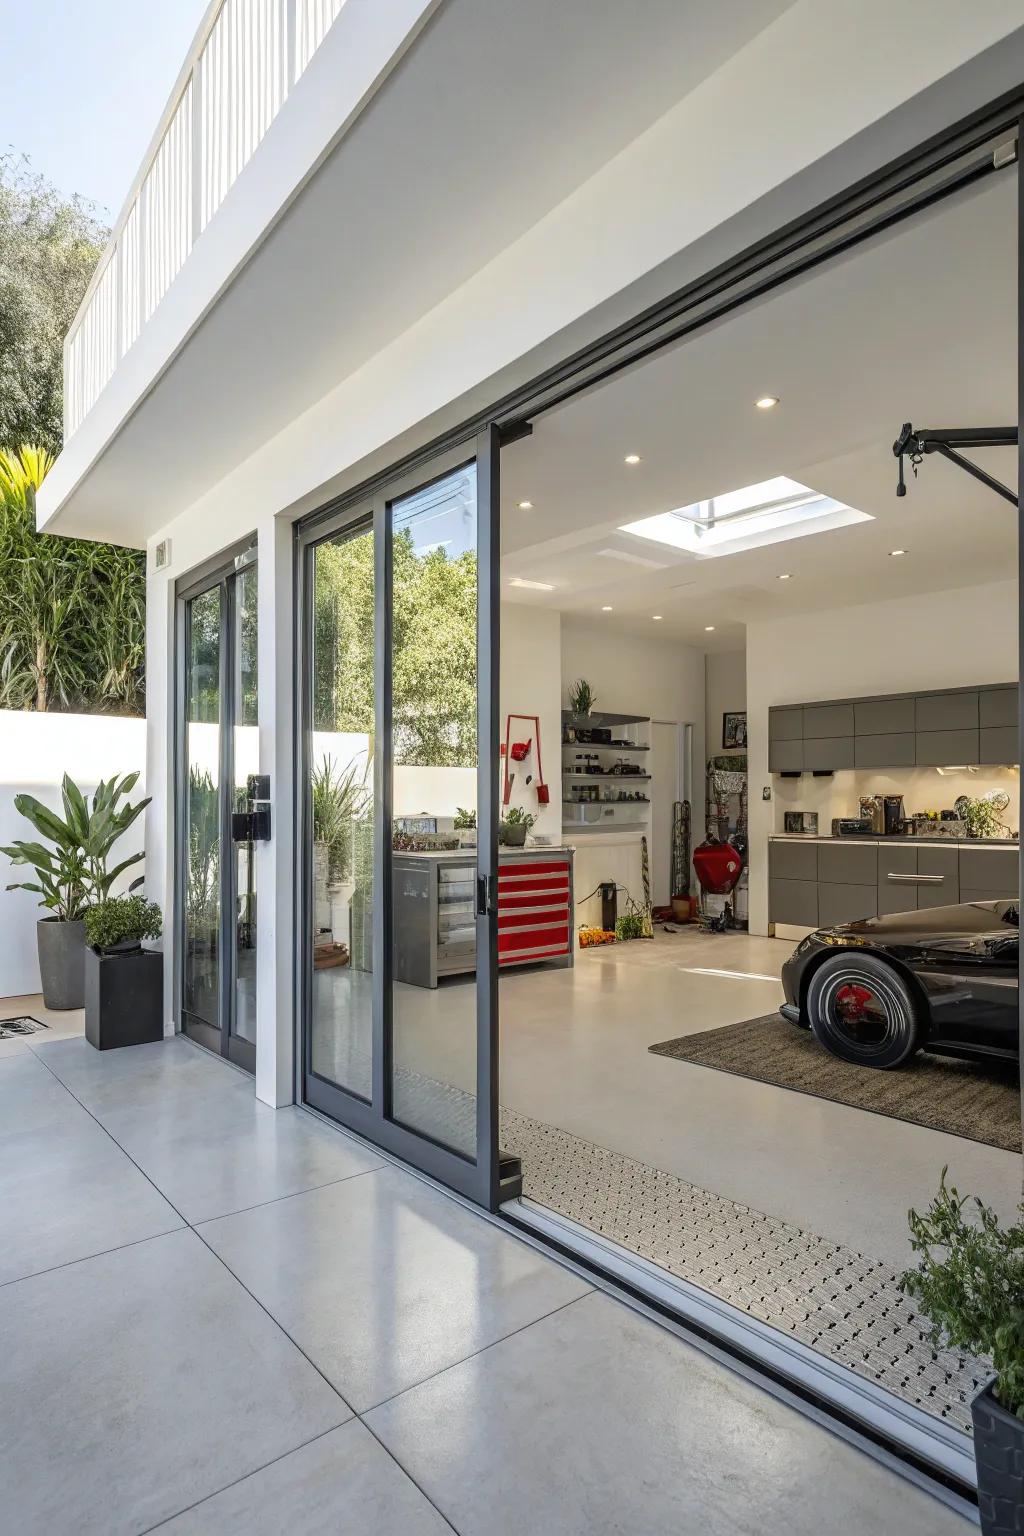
(181,1217)
(197,1503)
(84,1258)
(476,1353)
(406,1473)
(296,1194)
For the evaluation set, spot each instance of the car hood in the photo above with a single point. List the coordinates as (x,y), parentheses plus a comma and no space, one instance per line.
(981,928)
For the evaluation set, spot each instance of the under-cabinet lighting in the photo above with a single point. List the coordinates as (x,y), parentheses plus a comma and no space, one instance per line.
(631,458)
(526,506)
(766,402)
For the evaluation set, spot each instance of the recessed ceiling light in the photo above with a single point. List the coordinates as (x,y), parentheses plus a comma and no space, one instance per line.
(786,576)
(526,506)
(708,628)
(534,586)
(632,458)
(656,617)
(766,402)
(607,608)
(897,551)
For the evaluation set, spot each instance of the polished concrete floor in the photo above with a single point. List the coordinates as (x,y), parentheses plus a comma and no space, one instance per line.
(574,1054)
(220,1318)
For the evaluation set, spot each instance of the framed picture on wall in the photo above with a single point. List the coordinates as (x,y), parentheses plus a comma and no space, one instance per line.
(734,729)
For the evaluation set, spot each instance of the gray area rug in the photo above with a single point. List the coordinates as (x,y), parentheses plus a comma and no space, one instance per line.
(980,1101)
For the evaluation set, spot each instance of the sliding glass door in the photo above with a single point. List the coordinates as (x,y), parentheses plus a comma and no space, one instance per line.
(399,742)
(217,753)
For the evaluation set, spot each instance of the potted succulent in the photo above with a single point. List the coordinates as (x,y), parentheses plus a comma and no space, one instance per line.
(123,981)
(72,873)
(969,1283)
(513,827)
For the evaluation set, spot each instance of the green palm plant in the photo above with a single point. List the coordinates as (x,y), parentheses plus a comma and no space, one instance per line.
(75,873)
(339,799)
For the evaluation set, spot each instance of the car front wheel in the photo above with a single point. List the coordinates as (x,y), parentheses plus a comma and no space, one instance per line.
(862,1011)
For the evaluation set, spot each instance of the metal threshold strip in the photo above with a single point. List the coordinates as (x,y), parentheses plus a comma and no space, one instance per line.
(922,1448)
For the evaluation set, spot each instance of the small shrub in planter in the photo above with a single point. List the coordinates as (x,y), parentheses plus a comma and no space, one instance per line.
(969,1283)
(513,827)
(123,982)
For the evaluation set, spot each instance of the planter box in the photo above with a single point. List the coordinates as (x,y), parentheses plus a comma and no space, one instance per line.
(61,963)
(999,1453)
(124,998)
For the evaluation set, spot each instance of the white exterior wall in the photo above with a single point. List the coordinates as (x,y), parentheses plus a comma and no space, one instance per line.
(938,640)
(38,749)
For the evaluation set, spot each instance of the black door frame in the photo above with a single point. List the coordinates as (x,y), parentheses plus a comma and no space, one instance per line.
(487,1179)
(220,574)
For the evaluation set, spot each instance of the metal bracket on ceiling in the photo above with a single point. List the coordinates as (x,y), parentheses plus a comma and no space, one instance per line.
(914,444)
(1004,153)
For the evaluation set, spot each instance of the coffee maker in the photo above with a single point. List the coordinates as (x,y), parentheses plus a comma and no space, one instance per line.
(892,815)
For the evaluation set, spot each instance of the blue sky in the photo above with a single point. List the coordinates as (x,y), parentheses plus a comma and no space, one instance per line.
(85,82)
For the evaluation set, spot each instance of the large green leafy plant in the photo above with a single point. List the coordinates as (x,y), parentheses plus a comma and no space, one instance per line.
(339,799)
(75,872)
(969,1283)
(122,920)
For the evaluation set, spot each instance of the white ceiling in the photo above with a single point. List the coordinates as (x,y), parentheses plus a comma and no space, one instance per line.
(918,326)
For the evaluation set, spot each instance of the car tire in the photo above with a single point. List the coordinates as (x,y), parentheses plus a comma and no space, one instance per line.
(863,1011)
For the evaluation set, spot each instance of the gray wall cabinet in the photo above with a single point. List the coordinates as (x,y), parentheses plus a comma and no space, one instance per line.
(815,884)
(975,726)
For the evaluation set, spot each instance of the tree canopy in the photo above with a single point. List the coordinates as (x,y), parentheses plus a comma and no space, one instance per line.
(49,247)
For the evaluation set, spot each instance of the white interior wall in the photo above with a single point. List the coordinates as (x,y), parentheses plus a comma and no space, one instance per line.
(631,674)
(936,640)
(38,749)
(725,689)
(531,683)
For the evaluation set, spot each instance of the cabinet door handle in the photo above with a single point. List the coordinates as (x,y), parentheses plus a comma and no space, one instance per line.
(916,879)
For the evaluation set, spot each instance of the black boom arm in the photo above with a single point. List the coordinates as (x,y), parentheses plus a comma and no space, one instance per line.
(946,440)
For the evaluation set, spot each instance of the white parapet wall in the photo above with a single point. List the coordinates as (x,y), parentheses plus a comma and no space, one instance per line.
(35,752)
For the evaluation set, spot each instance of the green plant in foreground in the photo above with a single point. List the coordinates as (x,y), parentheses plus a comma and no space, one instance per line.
(75,871)
(969,1283)
(464,820)
(582,697)
(515,816)
(122,920)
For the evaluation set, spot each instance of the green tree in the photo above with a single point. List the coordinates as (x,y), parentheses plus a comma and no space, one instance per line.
(49,247)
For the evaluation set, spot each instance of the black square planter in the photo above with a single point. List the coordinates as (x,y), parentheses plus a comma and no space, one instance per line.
(124,998)
(999,1453)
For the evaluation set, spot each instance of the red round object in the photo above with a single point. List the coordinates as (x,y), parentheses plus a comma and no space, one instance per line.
(718,867)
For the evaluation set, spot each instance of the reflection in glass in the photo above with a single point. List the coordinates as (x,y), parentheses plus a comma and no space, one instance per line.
(246,762)
(202,745)
(434,755)
(341,796)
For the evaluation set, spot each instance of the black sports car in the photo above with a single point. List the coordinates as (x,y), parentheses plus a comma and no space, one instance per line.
(878,990)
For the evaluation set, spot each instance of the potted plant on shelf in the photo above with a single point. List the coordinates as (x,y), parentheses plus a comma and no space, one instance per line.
(581,701)
(513,827)
(969,1282)
(71,873)
(123,982)
(465,826)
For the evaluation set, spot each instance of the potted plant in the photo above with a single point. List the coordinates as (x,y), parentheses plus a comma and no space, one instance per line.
(123,982)
(465,826)
(339,799)
(581,700)
(71,873)
(513,827)
(969,1282)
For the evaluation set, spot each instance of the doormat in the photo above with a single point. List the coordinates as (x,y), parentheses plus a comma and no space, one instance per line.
(977,1100)
(10,1029)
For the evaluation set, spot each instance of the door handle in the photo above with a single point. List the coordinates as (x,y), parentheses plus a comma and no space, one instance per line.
(486,895)
(916,879)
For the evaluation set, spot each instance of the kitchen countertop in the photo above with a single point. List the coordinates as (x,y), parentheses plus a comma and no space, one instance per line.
(469,854)
(900,837)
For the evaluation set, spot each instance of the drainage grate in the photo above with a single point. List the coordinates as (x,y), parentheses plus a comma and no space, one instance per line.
(10,1029)
(838,1302)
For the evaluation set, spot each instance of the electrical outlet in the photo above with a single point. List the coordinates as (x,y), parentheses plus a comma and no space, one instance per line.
(766,792)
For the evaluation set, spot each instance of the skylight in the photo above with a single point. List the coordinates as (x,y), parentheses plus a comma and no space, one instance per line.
(770,512)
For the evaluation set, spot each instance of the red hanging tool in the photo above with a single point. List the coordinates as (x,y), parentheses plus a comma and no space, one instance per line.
(518,752)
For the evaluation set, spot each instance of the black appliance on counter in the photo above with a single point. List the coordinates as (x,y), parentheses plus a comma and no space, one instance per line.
(851,826)
(892,815)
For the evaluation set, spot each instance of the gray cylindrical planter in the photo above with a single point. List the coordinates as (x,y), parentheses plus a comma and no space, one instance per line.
(62,963)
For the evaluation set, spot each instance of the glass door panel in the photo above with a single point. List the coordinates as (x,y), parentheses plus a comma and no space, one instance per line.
(202,841)
(341,762)
(245,761)
(433,558)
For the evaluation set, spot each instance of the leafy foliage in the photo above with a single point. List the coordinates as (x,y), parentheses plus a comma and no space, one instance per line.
(970,1283)
(122,920)
(339,800)
(72,612)
(434,648)
(75,872)
(582,698)
(203,896)
(515,816)
(49,248)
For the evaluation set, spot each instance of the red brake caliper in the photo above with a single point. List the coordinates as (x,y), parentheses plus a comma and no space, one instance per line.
(852,1001)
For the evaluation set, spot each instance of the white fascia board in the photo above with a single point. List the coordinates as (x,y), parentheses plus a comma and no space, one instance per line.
(820,75)
(356,56)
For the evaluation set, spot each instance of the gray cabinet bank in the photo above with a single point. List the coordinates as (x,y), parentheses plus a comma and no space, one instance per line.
(815,882)
(975,726)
